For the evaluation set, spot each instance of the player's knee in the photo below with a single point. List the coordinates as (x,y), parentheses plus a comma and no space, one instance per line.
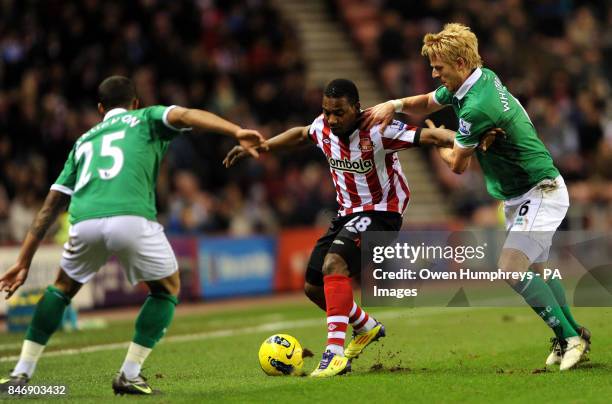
(538,267)
(513,260)
(316,294)
(308,290)
(174,284)
(312,291)
(66,284)
(170,285)
(174,290)
(334,264)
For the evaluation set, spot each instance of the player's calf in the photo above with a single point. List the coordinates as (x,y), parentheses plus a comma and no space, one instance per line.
(151,325)
(152,322)
(339,300)
(45,321)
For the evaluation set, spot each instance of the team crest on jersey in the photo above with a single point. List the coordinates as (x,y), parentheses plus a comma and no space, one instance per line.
(464,127)
(365,144)
(360,166)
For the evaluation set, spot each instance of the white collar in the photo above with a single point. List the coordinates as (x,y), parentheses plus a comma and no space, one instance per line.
(468,83)
(113,112)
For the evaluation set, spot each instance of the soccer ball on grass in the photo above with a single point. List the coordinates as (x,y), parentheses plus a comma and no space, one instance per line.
(281,354)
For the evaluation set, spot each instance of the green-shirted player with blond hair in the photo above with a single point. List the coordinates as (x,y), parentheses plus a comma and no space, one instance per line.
(109,179)
(517,168)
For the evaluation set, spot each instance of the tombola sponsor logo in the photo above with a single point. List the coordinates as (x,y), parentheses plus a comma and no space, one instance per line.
(360,166)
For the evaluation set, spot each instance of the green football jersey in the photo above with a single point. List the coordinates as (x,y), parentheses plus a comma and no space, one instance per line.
(514,164)
(112,168)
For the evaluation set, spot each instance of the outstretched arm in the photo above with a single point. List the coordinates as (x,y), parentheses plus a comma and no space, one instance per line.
(16,275)
(417,104)
(458,158)
(437,136)
(422,104)
(180,117)
(289,139)
(455,156)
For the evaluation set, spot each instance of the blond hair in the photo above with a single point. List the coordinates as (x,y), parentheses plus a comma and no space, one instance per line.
(454,41)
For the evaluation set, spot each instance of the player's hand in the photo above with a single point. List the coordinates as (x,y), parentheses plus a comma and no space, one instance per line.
(431,125)
(235,155)
(251,140)
(379,114)
(13,278)
(489,137)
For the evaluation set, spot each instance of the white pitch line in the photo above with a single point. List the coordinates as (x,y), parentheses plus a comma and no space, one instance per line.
(231,332)
(4,347)
(13,345)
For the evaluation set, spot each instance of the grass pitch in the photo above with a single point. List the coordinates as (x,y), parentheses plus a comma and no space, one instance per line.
(429,355)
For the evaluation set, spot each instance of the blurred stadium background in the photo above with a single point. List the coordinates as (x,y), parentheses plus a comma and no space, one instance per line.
(263,64)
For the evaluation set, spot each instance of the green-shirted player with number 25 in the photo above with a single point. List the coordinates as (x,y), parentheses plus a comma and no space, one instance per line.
(109,180)
(517,168)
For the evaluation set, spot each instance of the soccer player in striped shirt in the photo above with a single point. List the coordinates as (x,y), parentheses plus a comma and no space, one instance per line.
(109,180)
(372,193)
(518,170)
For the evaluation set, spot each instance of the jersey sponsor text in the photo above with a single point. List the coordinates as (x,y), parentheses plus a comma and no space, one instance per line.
(359,166)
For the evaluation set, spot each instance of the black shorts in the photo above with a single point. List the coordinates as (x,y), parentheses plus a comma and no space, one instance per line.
(347,231)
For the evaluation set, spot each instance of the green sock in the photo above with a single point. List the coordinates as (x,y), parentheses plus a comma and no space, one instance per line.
(47,315)
(539,296)
(558,291)
(154,318)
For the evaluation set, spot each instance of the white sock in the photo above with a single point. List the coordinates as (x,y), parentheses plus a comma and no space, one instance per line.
(30,353)
(134,359)
(336,349)
(371,323)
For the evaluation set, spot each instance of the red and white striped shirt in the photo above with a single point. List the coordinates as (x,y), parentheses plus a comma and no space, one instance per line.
(365,168)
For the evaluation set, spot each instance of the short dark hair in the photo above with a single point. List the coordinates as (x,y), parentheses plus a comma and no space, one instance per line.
(116,91)
(339,88)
